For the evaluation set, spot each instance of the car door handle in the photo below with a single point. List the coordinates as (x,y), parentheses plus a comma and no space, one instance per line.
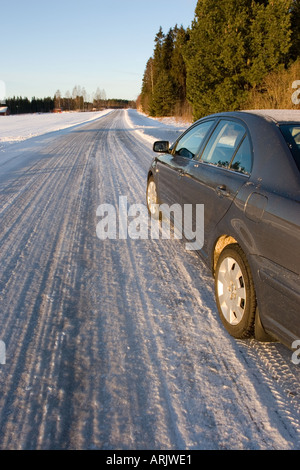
(222,191)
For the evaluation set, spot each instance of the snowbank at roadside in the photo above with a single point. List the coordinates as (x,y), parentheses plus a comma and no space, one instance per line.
(152,129)
(17,128)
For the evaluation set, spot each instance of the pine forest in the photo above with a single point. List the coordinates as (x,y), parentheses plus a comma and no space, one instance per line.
(237,54)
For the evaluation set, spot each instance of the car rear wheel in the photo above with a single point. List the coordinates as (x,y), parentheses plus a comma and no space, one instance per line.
(152,199)
(235,294)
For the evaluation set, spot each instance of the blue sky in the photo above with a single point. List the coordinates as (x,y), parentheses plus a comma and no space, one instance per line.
(50,45)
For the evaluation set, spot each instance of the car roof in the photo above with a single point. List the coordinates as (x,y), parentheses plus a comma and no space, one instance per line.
(277,115)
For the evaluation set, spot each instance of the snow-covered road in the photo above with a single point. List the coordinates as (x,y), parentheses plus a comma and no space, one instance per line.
(117,344)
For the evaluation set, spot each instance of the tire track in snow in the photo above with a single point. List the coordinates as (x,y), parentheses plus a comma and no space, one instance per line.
(129,334)
(40,273)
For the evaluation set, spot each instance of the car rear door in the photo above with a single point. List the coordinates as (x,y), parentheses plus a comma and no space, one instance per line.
(278,240)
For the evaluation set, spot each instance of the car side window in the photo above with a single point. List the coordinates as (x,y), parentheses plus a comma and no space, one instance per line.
(242,161)
(223,143)
(188,146)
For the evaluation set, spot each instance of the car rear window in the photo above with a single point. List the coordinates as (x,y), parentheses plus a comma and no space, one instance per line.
(229,147)
(291,133)
(223,143)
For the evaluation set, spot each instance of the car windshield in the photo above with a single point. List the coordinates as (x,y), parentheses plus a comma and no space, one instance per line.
(291,134)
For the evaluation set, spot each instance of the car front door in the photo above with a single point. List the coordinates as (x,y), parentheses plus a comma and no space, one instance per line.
(215,178)
(171,167)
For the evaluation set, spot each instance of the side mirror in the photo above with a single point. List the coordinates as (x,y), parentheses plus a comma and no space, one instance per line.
(161,146)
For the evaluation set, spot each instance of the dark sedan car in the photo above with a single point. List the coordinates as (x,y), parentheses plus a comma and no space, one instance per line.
(244,167)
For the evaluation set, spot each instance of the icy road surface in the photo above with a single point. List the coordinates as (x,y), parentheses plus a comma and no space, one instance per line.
(117,344)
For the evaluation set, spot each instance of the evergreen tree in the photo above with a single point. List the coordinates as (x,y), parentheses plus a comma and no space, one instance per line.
(147,86)
(153,68)
(164,81)
(216,56)
(295,25)
(167,49)
(269,38)
(163,96)
(178,67)
(158,64)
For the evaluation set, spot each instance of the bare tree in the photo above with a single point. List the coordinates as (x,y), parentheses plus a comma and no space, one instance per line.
(57,98)
(68,99)
(99,98)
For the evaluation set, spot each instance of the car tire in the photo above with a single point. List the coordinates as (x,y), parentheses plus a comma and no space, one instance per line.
(152,198)
(235,293)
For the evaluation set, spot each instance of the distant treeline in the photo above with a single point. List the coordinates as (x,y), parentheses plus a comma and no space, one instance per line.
(232,56)
(80,101)
(19,105)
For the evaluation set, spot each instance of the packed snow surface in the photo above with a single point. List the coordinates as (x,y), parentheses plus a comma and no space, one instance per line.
(116,344)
